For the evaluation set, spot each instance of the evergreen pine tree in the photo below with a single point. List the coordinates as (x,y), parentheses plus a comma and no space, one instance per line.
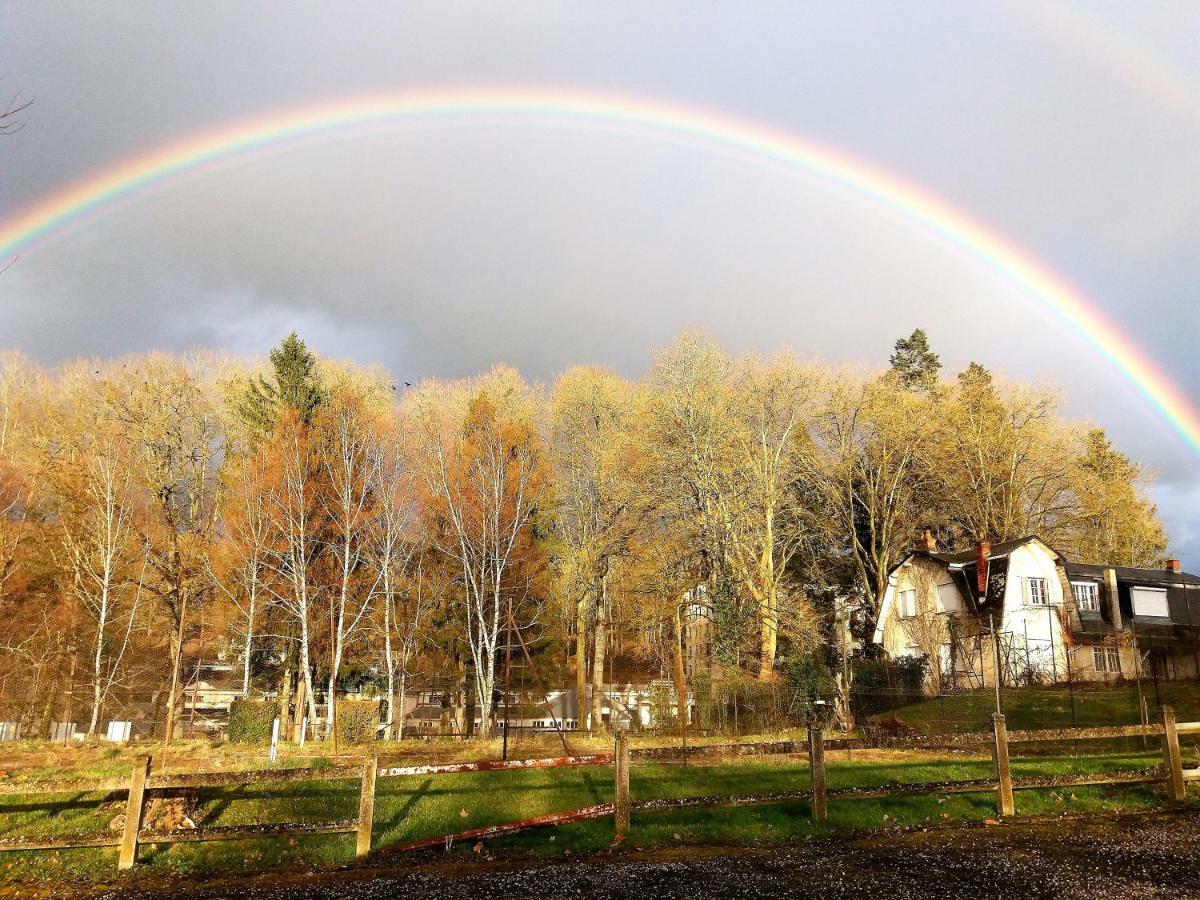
(295,385)
(914,364)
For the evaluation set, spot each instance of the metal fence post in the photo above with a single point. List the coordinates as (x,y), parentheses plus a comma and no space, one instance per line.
(1004,790)
(621,803)
(134,808)
(1176,789)
(366,804)
(816,765)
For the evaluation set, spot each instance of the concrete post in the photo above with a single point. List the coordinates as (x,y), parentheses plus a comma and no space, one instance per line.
(134,809)
(1004,790)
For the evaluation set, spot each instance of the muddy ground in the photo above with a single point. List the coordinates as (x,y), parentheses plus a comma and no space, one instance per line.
(1150,855)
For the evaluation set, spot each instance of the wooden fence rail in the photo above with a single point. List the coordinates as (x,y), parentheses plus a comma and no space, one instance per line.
(142,783)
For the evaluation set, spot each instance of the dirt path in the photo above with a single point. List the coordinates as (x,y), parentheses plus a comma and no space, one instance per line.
(1156,855)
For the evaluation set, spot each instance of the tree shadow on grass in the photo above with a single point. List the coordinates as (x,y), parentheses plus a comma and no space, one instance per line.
(395,821)
(316,797)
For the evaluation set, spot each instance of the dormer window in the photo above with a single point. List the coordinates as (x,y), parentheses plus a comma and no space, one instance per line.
(1087,595)
(1150,602)
(1035,592)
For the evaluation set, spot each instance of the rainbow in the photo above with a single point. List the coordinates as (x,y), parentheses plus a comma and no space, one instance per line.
(99,193)
(1080,27)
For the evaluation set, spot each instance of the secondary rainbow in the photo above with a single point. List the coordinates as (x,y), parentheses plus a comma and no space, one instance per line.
(99,193)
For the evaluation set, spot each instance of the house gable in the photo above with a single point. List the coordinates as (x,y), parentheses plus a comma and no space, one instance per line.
(922,584)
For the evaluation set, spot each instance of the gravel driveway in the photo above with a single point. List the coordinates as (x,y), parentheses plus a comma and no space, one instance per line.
(1155,855)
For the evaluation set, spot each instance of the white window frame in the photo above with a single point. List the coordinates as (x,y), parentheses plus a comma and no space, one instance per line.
(1106,659)
(1031,594)
(906,603)
(1087,600)
(1155,595)
(941,598)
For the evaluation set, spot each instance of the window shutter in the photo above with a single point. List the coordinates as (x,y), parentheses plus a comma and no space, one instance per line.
(1150,602)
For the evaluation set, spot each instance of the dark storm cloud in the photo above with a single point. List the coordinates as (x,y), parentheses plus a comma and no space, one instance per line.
(441,250)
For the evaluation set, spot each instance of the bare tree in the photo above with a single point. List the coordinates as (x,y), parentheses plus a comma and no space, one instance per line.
(591,414)
(872,472)
(481,467)
(351,466)
(100,545)
(399,592)
(239,567)
(166,415)
(294,506)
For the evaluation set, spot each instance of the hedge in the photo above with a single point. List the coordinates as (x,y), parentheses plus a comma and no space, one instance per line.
(885,684)
(357,721)
(250,721)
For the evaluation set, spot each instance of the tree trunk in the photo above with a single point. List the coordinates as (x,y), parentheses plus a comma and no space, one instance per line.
(331,705)
(306,671)
(399,721)
(176,651)
(98,665)
(389,662)
(598,656)
(248,647)
(581,666)
(681,688)
(69,693)
(769,607)
(48,709)
(285,687)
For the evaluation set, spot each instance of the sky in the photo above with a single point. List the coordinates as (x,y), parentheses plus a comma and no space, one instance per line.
(439,247)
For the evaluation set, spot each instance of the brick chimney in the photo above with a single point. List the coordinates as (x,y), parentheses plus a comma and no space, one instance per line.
(983,549)
(927,541)
(1174,566)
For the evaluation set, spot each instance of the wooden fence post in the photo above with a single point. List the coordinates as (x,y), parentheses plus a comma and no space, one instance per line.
(366,804)
(816,765)
(1004,789)
(621,803)
(1174,762)
(134,808)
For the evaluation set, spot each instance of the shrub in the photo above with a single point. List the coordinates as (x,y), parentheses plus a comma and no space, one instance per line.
(664,711)
(357,720)
(883,684)
(807,679)
(887,727)
(250,721)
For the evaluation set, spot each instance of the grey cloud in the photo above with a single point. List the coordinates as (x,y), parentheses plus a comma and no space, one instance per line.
(439,249)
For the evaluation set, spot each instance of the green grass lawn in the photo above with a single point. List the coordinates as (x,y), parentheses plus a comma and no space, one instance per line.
(411,808)
(1049,707)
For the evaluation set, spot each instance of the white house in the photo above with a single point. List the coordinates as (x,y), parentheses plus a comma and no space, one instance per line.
(1050,618)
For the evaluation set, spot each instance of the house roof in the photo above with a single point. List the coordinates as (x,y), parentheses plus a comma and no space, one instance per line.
(1133,575)
(964,557)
